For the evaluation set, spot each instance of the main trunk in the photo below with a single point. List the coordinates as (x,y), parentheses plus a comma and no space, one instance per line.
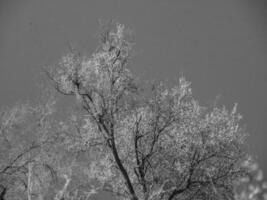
(123,171)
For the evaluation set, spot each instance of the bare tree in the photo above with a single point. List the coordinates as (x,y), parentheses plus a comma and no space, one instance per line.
(157,144)
(23,134)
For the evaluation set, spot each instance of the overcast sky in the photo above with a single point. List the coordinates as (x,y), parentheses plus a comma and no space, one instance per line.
(219,45)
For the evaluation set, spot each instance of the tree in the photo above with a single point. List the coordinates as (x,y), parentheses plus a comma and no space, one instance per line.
(148,144)
(24,133)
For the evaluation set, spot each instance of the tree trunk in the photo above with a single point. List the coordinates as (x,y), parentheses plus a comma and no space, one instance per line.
(123,171)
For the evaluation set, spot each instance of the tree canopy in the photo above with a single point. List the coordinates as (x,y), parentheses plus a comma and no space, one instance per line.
(138,143)
(157,146)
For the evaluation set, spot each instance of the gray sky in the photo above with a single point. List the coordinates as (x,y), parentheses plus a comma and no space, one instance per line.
(220,46)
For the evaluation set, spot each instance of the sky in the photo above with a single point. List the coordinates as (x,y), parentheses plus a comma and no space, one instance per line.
(220,46)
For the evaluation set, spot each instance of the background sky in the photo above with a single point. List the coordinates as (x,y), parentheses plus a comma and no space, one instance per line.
(219,45)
